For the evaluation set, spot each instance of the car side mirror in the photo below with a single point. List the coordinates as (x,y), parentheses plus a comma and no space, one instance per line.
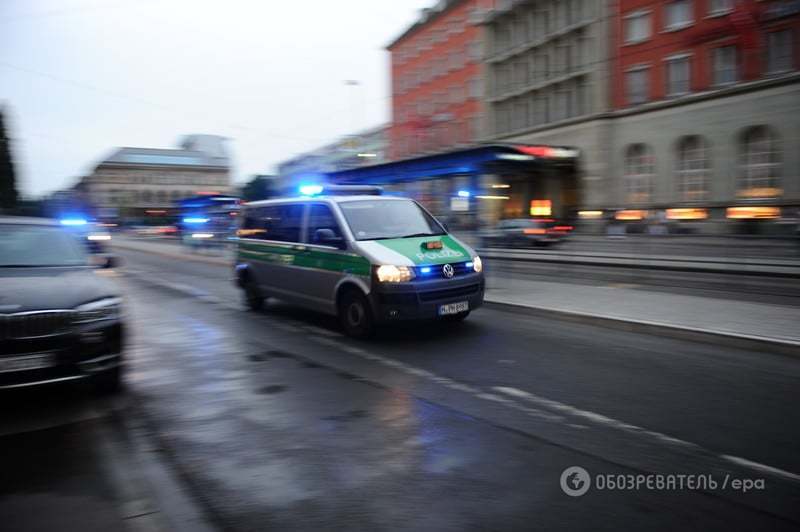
(327,237)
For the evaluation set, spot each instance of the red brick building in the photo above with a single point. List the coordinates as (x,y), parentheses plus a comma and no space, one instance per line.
(670,48)
(436,80)
(706,109)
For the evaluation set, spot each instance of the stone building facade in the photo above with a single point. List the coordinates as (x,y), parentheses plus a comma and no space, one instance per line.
(132,181)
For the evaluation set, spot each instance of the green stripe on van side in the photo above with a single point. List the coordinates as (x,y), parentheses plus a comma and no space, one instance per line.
(305,258)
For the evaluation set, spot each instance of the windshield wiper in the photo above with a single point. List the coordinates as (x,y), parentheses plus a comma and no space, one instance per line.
(420,234)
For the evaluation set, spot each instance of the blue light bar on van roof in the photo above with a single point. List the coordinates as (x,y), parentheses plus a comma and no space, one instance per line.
(194,220)
(311,190)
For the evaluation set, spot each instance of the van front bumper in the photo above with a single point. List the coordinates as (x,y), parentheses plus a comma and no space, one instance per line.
(423,298)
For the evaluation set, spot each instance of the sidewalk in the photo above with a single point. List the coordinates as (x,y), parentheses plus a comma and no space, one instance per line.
(741,323)
(738,324)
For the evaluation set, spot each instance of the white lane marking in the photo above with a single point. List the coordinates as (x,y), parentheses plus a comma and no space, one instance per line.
(594,417)
(763,468)
(600,419)
(432,377)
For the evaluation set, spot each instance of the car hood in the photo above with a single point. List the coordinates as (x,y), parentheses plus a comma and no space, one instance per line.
(24,289)
(411,252)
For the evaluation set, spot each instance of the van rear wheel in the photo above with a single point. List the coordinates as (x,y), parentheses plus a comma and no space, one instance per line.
(252,295)
(355,315)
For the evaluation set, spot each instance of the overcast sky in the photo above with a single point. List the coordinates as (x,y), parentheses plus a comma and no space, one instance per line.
(79,77)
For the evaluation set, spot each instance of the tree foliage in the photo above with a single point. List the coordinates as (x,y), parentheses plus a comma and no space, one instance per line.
(8,185)
(258,188)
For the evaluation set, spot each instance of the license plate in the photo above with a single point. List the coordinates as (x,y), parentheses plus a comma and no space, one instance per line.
(27,362)
(453,308)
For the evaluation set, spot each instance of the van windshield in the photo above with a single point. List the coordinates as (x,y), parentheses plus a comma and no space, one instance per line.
(383,219)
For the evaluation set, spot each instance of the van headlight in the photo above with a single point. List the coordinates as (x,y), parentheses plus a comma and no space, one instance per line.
(388,273)
(102,309)
(477,264)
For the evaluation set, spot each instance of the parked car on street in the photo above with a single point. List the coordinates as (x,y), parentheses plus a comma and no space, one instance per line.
(525,232)
(59,320)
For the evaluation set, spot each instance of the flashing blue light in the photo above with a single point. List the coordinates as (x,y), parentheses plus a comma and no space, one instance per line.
(194,220)
(463,194)
(310,190)
(73,221)
(425,269)
(470,264)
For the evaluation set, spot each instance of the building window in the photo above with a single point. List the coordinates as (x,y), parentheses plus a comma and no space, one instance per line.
(562,104)
(678,14)
(779,51)
(637,27)
(542,62)
(639,172)
(693,168)
(520,116)
(475,52)
(520,74)
(719,7)
(637,85)
(760,163)
(725,65)
(475,88)
(677,75)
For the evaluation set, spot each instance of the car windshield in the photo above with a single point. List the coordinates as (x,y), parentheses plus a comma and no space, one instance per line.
(39,246)
(382,219)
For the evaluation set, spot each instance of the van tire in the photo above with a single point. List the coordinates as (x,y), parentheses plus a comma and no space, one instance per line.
(253,297)
(355,314)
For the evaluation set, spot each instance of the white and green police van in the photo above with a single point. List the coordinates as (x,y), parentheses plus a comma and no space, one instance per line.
(355,254)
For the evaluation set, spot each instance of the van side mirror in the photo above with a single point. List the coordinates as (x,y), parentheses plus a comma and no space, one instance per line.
(327,237)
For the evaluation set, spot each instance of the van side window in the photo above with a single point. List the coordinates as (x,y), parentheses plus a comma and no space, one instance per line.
(283,222)
(252,226)
(321,217)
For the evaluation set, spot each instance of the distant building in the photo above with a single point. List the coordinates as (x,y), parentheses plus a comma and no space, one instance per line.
(437,86)
(353,151)
(547,82)
(132,181)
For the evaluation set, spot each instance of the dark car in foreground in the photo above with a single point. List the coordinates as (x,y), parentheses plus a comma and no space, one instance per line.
(525,232)
(60,320)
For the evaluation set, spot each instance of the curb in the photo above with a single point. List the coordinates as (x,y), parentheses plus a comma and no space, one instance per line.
(709,336)
(217,261)
(694,266)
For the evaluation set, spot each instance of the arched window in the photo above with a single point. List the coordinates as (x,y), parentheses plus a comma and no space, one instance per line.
(639,171)
(760,166)
(693,168)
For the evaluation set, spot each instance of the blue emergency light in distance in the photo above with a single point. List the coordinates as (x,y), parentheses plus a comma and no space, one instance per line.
(463,194)
(73,221)
(194,220)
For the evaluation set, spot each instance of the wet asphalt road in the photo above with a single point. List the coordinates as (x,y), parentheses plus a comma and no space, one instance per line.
(274,421)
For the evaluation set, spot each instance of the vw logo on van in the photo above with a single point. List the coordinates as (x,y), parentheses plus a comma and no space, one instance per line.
(448,271)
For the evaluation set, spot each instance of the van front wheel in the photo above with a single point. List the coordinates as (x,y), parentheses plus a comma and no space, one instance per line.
(355,315)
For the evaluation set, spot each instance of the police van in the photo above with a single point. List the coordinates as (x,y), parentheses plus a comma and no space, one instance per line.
(353,253)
